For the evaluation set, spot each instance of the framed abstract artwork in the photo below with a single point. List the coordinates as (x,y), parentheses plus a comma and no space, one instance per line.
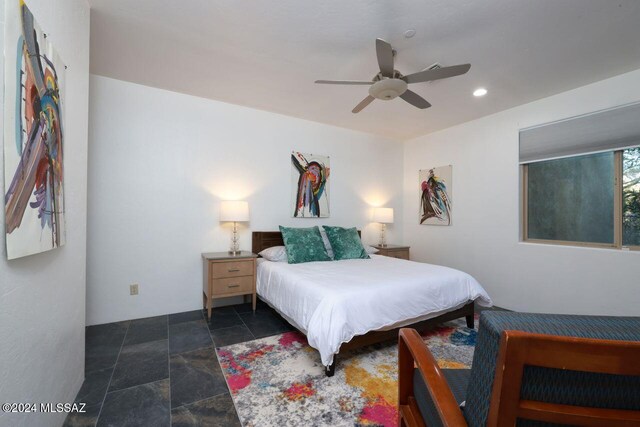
(310,185)
(435,195)
(33,136)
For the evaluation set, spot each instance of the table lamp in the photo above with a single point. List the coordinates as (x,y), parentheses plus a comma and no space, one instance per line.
(234,211)
(384,216)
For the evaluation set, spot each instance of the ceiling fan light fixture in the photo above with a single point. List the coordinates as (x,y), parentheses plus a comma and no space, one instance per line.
(388,89)
(479,92)
(389,83)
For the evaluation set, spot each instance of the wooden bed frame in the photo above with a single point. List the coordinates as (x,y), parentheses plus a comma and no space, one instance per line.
(261,240)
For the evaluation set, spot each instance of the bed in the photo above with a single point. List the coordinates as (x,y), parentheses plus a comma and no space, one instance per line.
(340,305)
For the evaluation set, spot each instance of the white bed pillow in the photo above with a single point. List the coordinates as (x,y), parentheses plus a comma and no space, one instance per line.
(370,249)
(275,254)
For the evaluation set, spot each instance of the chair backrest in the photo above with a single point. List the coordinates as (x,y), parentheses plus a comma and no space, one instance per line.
(548,384)
(519,350)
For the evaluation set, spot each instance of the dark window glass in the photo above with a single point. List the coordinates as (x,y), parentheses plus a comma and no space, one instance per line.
(631,197)
(572,199)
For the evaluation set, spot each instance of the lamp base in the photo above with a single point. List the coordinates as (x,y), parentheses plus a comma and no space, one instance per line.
(383,240)
(235,247)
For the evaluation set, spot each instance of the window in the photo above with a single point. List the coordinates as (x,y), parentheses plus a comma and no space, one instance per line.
(571,199)
(581,179)
(579,200)
(631,197)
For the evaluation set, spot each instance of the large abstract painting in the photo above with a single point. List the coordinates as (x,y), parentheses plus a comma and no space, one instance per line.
(33,136)
(310,185)
(435,195)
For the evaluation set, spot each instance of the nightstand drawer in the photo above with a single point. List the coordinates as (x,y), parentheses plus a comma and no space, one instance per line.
(399,254)
(233,285)
(394,251)
(232,269)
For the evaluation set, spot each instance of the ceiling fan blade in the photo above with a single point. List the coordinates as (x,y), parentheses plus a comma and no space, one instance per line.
(363,104)
(415,99)
(342,82)
(437,74)
(385,57)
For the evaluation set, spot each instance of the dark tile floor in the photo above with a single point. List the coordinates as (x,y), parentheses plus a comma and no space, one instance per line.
(163,370)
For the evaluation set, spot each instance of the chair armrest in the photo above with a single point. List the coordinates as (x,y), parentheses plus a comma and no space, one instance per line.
(412,351)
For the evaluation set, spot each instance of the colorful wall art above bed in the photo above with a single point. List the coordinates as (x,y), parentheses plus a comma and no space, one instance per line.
(310,185)
(33,135)
(435,195)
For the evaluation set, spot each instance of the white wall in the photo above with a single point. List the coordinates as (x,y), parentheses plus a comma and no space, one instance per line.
(484,239)
(42,297)
(159,164)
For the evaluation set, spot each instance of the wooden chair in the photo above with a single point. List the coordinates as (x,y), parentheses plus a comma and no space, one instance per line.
(517,350)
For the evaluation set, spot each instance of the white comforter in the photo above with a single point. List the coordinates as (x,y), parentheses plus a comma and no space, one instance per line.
(333,301)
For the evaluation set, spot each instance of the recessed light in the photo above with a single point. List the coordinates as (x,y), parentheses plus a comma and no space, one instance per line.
(480,92)
(410,33)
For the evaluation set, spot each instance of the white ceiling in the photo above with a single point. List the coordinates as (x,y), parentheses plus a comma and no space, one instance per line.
(267,54)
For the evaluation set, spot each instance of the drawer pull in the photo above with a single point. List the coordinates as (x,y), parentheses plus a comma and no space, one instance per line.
(233,270)
(233,286)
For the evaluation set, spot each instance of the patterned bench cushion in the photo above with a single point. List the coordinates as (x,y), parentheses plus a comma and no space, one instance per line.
(457,380)
(551,385)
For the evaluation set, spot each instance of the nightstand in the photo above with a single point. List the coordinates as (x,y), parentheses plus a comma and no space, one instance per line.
(393,251)
(228,275)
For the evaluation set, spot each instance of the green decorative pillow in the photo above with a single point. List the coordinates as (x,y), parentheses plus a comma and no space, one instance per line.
(345,242)
(303,245)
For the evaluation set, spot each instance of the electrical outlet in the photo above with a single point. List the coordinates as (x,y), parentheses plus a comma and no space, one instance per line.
(133,289)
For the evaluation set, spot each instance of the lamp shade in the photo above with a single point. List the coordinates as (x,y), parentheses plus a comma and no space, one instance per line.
(383,215)
(234,211)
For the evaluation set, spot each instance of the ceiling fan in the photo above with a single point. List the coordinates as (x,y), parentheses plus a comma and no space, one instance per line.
(389,83)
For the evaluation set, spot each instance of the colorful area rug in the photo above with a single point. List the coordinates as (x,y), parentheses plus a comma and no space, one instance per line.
(280,381)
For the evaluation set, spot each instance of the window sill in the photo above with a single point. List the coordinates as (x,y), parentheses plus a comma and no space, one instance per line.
(578,245)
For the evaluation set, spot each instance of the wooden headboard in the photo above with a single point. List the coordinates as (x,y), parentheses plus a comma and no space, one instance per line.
(261,240)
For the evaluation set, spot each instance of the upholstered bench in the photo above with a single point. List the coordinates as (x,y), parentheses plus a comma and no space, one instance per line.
(568,387)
